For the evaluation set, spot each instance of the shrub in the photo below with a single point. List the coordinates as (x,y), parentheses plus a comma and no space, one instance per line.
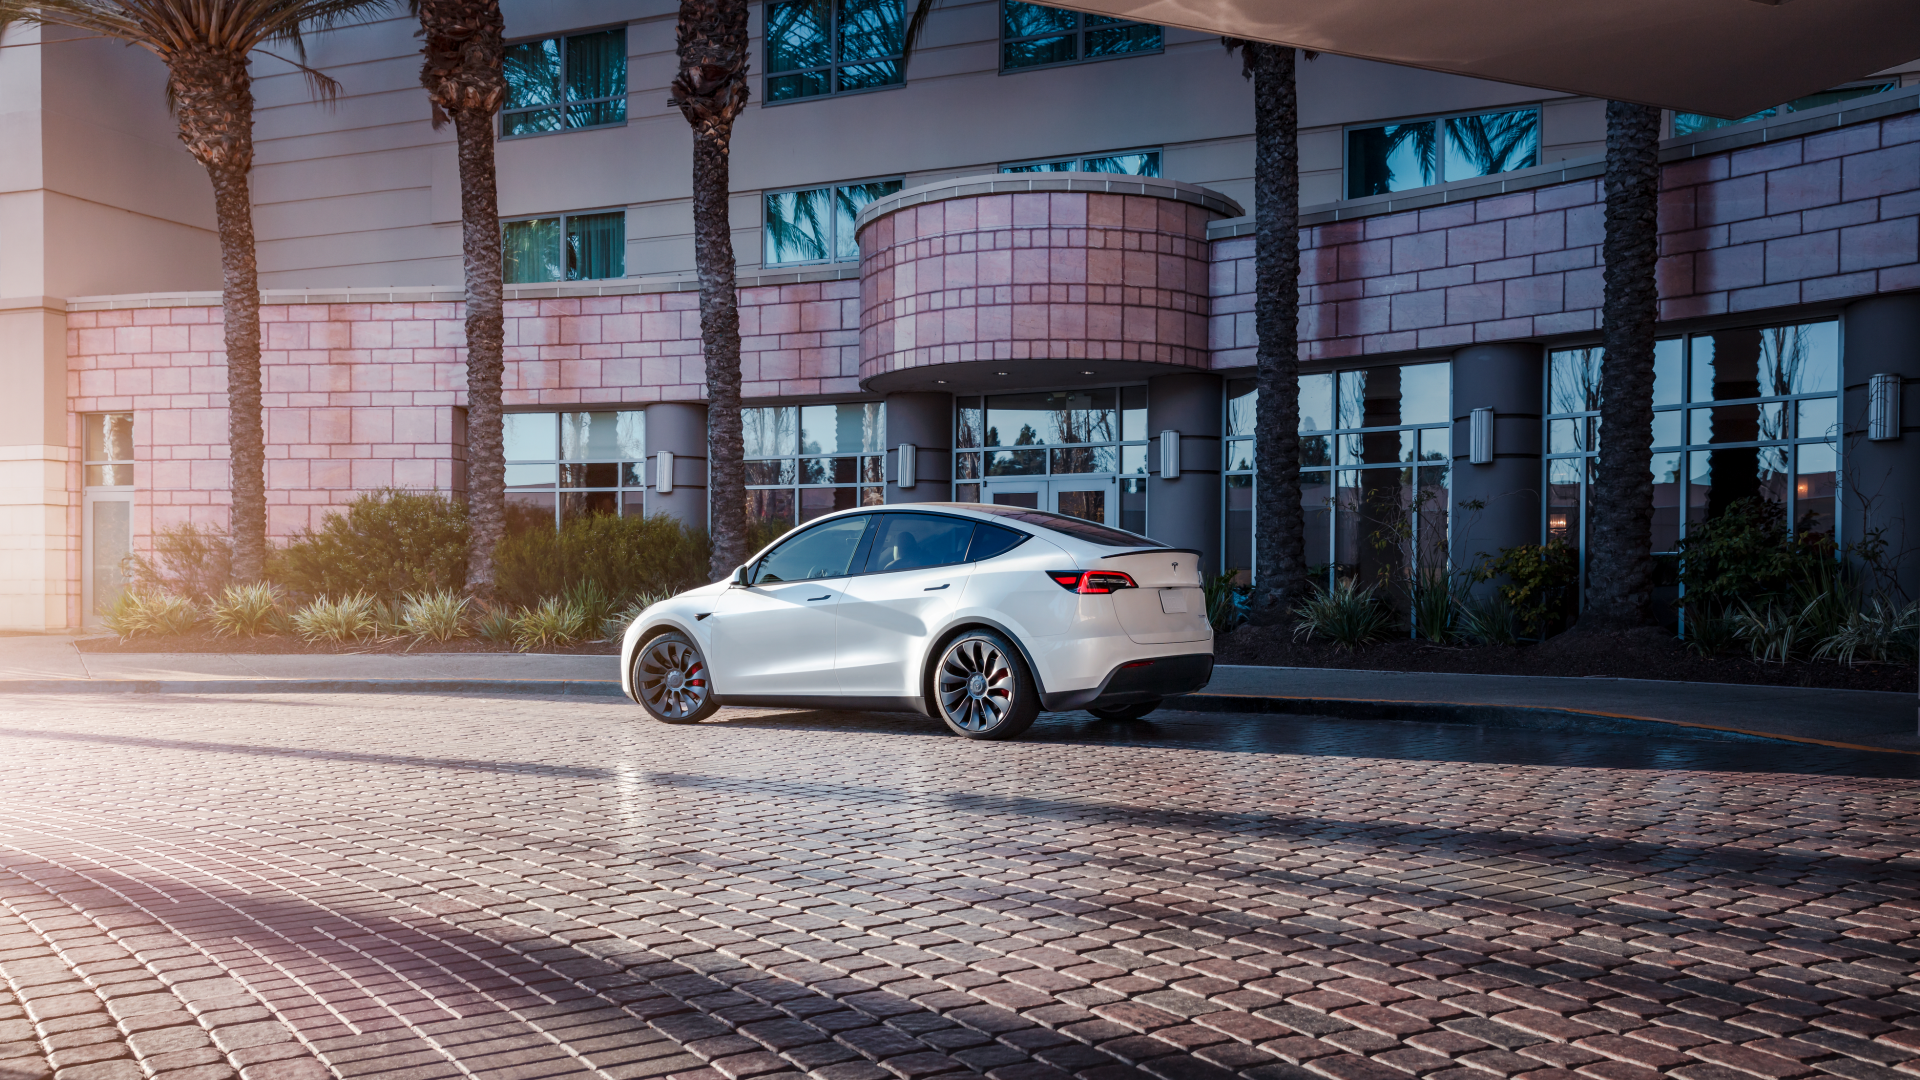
(1488,620)
(440,615)
(136,613)
(1540,582)
(1748,556)
(386,544)
(187,560)
(346,619)
(1879,632)
(497,624)
(614,626)
(555,621)
(1226,601)
(623,557)
(1346,615)
(1431,607)
(1774,634)
(245,610)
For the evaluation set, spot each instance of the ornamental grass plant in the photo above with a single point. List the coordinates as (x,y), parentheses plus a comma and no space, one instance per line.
(245,611)
(438,615)
(339,621)
(139,613)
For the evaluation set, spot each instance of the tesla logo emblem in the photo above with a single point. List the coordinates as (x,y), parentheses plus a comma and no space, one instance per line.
(1176,566)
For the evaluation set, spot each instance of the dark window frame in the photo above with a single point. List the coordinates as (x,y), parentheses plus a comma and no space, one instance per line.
(626,88)
(561,217)
(1079,34)
(1439,119)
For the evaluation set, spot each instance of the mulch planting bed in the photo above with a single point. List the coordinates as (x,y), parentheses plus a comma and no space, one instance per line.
(203,641)
(1632,654)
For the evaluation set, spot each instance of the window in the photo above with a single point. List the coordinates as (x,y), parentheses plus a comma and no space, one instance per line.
(817,47)
(1035,36)
(816,224)
(824,552)
(1375,454)
(918,541)
(1061,434)
(1416,153)
(563,464)
(1688,123)
(565,83)
(1737,414)
(565,247)
(1126,163)
(808,460)
(109,449)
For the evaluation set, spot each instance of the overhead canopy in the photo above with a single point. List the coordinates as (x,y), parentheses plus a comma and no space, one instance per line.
(1725,58)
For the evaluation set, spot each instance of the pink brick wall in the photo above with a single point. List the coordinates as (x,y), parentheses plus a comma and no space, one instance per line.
(1040,275)
(1802,220)
(362,396)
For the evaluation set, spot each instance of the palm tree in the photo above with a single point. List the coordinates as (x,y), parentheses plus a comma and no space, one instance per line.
(710,90)
(206,45)
(463,72)
(1280,556)
(1619,533)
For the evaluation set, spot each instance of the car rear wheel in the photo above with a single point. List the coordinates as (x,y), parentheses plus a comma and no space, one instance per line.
(671,682)
(1124,712)
(983,689)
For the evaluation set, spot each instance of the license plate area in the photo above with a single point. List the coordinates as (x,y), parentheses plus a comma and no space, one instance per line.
(1173,601)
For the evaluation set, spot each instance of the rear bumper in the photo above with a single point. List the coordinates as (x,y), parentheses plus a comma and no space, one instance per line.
(1138,681)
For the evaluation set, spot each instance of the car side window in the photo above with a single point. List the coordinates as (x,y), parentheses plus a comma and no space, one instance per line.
(991,540)
(917,541)
(824,551)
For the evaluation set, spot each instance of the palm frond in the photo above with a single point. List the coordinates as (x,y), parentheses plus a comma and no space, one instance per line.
(915,24)
(171,27)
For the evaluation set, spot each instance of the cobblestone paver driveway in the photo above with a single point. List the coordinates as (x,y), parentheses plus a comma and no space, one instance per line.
(297,887)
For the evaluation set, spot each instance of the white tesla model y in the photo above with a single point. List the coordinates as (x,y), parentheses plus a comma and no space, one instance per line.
(980,615)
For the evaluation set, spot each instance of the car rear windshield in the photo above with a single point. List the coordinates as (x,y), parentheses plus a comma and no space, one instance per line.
(1078,528)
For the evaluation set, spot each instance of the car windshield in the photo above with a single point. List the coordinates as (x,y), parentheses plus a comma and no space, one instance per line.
(1078,528)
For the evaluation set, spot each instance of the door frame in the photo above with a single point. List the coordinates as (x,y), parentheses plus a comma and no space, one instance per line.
(1109,484)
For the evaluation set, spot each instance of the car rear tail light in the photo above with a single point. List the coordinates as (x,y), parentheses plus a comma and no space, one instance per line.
(1094,582)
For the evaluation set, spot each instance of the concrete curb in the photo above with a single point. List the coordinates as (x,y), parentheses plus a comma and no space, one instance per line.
(558,687)
(1530,717)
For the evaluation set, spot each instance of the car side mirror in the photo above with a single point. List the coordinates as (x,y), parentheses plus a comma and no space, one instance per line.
(740,575)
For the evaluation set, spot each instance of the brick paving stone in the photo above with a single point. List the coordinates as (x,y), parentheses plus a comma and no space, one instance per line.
(298,886)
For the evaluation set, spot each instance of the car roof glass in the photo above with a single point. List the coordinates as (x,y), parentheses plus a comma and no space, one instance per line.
(1079,528)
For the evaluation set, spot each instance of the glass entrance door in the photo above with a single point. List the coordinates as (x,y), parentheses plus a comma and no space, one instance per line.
(108,540)
(1092,500)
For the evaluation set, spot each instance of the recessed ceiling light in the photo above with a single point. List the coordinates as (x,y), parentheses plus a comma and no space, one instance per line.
(1086,373)
(999,373)
(939,382)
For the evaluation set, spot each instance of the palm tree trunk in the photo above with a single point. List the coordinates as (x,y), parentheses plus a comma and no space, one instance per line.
(213,97)
(486,337)
(1280,539)
(1620,518)
(465,50)
(711,89)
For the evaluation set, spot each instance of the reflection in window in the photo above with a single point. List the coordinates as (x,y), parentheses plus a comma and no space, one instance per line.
(1032,35)
(1375,455)
(805,461)
(817,47)
(817,224)
(563,464)
(564,247)
(107,452)
(1688,123)
(558,83)
(1396,157)
(1129,163)
(1060,433)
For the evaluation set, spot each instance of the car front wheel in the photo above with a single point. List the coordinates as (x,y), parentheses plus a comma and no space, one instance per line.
(983,688)
(670,679)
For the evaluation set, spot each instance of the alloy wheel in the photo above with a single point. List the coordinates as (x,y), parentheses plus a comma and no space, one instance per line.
(976,684)
(671,678)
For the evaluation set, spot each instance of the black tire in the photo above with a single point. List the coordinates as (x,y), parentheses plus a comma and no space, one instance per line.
(1125,712)
(670,680)
(982,688)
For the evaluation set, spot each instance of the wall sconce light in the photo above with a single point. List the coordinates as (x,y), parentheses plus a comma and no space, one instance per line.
(1169,455)
(1480,436)
(1883,407)
(903,471)
(663,472)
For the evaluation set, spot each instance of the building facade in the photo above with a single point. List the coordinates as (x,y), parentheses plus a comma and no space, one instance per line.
(1018,269)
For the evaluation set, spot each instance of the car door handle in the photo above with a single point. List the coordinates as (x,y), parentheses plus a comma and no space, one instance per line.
(811,599)
(935,588)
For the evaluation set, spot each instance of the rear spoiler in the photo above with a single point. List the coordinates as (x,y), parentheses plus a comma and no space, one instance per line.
(1155,551)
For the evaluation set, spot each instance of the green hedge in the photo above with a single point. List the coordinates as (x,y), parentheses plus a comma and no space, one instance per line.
(624,556)
(387,543)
